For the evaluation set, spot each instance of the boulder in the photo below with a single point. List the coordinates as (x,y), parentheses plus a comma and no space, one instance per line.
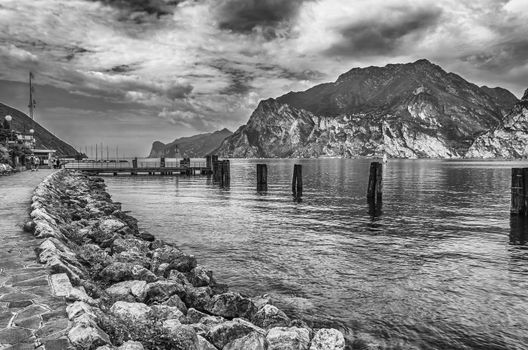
(328,339)
(128,291)
(95,257)
(198,298)
(203,344)
(176,301)
(126,244)
(288,338)
(231,305)
(200,277)
(270,316)
(105,232)
(194,316)
(87,337)
(131,345)
(253,341)
(176,259)
(183,338)
(165,312)
(226,332)
(118,271)
(261,300)
(133,256)
(160,291)
(135,312)
(77,309)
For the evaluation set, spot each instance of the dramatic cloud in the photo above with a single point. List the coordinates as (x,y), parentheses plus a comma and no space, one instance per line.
(140,70)
(387,33)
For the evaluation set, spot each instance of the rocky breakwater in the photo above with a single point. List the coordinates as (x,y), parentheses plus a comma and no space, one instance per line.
(129,290)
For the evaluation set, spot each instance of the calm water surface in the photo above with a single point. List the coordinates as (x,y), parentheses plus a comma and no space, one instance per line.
(441,267)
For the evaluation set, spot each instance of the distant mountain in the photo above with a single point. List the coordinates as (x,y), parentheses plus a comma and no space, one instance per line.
(193,147)
(43,138)
(509,140)
(404,110)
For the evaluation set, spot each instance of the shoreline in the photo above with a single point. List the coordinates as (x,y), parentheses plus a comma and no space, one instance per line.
(130,290)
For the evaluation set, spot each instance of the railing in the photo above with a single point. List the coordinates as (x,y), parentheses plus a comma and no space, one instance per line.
(129,164)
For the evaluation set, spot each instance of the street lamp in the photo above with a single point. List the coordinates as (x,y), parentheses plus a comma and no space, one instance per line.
(8,119)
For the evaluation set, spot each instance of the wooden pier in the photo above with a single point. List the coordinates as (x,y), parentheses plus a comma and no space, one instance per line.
(145,166)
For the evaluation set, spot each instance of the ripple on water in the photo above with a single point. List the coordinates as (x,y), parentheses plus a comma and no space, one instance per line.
(442,267)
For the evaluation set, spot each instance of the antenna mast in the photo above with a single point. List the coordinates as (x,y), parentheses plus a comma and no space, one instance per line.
(32,101)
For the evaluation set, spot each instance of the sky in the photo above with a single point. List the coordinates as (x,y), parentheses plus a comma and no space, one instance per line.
(129,72)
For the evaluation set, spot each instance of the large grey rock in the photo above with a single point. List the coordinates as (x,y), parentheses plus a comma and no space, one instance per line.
(288,338)
(175,300)
(198,298)
(203,344)
(117,272)
(133,256)
(328,339)
(261,300)
(135,312)
(184,338)
(201,277)
(87,337)
(231,305)
(126,244)
(226,332)
(194,316)
(252,341)
(165,312)
(131,345)
(176,259)
(105,232)
(95,257)
(78,308)
(161,291)
(270,316)
(128,291)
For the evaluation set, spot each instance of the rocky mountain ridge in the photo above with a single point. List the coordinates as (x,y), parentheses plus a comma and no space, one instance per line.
(194,146)
(507,141)
(414,110)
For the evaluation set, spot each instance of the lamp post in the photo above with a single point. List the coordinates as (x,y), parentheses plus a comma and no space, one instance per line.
(8,119)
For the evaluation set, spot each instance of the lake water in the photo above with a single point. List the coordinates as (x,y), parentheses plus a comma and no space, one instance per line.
(441,267)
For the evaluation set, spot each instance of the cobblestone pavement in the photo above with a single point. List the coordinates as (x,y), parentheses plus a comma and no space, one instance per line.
(30,315)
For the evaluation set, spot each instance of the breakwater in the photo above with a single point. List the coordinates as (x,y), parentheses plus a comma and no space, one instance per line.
(130,290)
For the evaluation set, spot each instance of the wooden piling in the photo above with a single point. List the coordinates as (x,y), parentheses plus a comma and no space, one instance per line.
(162,162)
(209,162)
(375,184)
(134,165)
(518,191)
(262,177)
(226,173)
(297,183)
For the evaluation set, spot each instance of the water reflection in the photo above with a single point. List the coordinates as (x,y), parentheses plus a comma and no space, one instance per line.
(518,229)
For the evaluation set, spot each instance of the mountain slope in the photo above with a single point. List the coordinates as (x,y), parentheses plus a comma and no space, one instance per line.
(405,110)
(44,138)
(194,146)
(509,140)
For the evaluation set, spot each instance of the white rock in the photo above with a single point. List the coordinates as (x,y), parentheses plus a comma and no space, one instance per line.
(130,311)
(328,339)
(131,345)
(288,338)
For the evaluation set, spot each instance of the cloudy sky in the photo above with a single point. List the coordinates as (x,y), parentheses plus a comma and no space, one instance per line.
(128,72)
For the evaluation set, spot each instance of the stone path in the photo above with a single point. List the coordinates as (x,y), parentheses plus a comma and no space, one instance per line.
(31,316)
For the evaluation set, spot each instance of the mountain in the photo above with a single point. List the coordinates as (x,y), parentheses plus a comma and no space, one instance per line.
(411,110)
(193,147)
(509,140)
(43,138)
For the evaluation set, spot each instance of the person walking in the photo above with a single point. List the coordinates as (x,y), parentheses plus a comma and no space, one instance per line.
(36,162)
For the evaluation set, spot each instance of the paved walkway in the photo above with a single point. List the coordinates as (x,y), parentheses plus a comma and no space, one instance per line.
(30,316)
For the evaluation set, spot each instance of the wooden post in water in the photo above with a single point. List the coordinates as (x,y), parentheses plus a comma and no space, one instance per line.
(375,187)
(297,184)
(225,173)
(134,165)
(518,191)
(208,163)
(262,177)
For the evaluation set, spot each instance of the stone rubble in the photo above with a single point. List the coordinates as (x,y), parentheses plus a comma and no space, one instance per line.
(130,291)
